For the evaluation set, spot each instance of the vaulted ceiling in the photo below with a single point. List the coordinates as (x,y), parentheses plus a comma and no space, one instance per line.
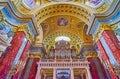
(63,26)
(53,18)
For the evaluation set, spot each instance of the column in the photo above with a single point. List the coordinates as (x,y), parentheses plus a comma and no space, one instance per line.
(26,71)
(107,56)
(113,43)
(55,55)
(72,73)
(88,73)
(11,54)
(22,59)
(71,56)
(38,75)
(54,73)
(112,74)
(103,52)
(97,69)
(45,76)
(33,69)
(82,75)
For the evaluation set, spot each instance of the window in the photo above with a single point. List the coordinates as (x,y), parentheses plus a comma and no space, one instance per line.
(60,38)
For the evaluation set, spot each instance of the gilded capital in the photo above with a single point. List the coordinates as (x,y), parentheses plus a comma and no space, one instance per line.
(102,27)
(91,55)
(35,55)
(25,29)
(88,51)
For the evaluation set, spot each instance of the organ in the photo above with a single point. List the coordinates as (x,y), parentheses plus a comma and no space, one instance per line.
(62,49)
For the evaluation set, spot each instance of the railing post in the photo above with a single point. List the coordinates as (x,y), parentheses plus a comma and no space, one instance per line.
(38,75)
(72,73)
(54,73)
(88,72)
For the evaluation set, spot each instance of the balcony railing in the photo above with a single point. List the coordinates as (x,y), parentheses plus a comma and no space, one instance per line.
(63,63)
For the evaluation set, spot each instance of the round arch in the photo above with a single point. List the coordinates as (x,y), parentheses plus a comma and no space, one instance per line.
(79,11)
(50,39)
(72,9)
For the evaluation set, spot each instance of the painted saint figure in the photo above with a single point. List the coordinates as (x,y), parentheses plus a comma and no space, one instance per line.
(62,22)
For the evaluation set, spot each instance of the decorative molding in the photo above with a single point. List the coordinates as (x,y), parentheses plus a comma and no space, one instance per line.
(91,55)
(35,55)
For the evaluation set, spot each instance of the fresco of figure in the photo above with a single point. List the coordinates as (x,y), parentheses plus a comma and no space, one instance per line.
(95,2)
(62,22)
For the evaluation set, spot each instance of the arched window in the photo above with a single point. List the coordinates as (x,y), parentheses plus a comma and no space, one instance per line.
(60,38)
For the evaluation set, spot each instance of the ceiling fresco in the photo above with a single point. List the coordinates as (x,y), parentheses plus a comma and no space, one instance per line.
(29,3)
(27,6)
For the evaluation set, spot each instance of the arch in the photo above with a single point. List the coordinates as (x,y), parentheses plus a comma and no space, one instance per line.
(50,39)
(72,9)
(79,11)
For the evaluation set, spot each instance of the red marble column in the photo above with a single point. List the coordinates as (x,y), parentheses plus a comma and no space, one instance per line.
(33,69)
(113,43)
(22,59)
(11,54)
(97,69)
(93,69)
(25,52)
(103,52)
(112,74)
(25,68)
(106,59)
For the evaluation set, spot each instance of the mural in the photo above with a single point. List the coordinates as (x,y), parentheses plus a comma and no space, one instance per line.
(62,22)
(30,3)
(94,2)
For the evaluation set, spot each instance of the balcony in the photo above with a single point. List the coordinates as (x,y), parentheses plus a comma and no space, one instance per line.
(63,63)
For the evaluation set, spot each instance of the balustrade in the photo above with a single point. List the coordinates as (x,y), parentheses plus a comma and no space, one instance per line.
(63,63)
